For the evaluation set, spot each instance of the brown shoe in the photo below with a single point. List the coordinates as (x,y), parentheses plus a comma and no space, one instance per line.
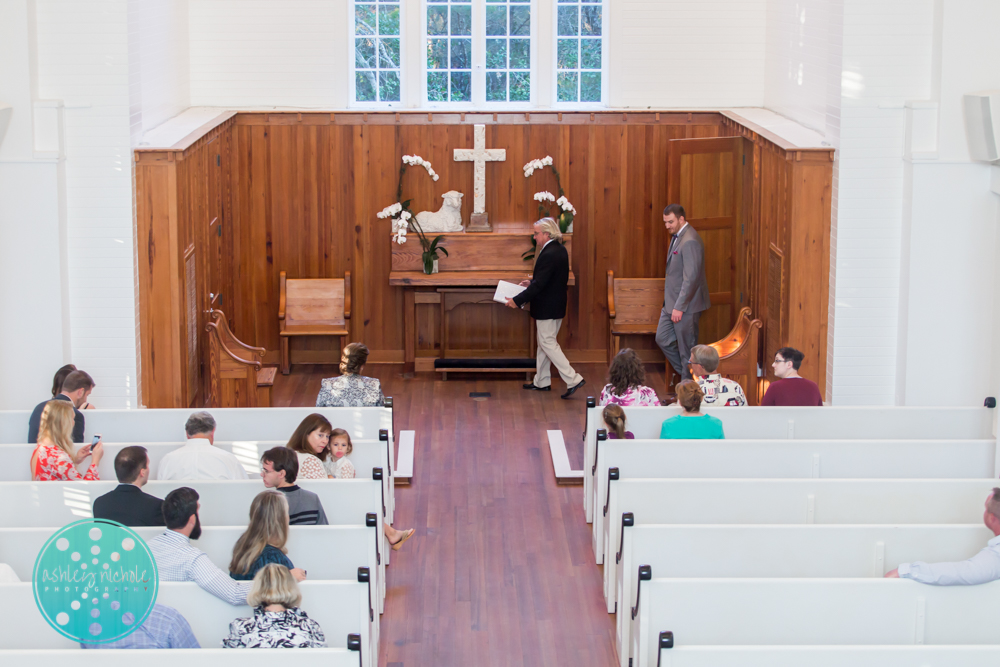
(668,399)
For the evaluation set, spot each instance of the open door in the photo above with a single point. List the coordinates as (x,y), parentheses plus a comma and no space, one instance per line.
(710,179)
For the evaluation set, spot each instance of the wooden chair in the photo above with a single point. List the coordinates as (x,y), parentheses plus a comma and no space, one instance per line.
(237,378)
(738,354)
(634,306)
(312,307)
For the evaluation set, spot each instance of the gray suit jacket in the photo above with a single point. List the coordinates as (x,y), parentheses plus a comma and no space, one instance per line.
(686,287)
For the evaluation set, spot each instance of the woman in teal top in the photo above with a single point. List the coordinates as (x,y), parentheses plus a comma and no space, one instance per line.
(690,424)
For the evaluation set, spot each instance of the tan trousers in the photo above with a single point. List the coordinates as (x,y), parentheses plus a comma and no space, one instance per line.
(550,353)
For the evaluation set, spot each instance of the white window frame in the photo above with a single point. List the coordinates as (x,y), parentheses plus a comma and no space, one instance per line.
(479,63)
(554,64)
(352,61)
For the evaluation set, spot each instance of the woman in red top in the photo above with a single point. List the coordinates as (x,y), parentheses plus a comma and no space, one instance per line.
(54,458)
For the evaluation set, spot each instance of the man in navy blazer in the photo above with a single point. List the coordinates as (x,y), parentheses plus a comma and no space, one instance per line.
(128,504)
(685,291)
(546,291)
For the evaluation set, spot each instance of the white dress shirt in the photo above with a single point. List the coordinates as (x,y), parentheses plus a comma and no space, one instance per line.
(177,560)
(200,459)
(981,568)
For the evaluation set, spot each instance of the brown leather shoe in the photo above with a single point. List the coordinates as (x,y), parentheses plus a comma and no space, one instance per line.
(668,399)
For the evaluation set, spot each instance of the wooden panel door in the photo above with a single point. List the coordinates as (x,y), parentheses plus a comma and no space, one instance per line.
(708,177)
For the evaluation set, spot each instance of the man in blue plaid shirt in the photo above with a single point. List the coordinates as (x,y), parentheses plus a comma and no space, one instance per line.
(164,628)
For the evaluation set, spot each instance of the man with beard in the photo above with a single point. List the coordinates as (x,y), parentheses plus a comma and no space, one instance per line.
(177,560)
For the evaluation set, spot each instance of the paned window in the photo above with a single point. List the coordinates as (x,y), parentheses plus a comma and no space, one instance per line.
(579,50)
(376,51)
(449,51)
(508,51)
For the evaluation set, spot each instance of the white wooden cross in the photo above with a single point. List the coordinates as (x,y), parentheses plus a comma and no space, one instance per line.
(480,155)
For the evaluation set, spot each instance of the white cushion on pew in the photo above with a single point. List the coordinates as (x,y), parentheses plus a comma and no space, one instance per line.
(826,423)
(681,551)
(788,501)
(204,657)
(233,423)
(830,656)
(844,459)
(811,612)
(340,608)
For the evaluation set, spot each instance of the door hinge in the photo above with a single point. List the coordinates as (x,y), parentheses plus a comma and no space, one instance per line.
(741,298)
(744,159)
(220,299)
(218,160)
(220,229)
(741,228)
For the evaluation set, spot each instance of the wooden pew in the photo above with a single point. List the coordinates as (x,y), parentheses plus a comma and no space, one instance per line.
(786,501)
(312,307)
(340,607)
(833,551)
(829,656)
(786,459)
(811,612)
(819,423)
(237,377)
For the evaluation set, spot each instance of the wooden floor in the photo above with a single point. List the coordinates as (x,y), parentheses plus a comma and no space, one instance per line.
(501,570)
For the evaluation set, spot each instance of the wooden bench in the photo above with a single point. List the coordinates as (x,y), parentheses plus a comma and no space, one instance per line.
(237,378)
(312,307)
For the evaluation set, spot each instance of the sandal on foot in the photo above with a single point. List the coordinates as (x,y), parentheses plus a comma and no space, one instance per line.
(406,535)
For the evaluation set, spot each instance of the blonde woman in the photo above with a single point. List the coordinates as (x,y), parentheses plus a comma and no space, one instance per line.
(277,621)
(351,389)
(54,459)
(264,541)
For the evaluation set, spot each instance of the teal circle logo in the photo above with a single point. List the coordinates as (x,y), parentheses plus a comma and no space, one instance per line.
(95,581)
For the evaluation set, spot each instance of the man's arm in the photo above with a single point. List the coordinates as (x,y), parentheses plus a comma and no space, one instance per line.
(693,261)
(218,583)
(539,279)
(981,568)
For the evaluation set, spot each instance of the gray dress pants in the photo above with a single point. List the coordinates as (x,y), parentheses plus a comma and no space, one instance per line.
(676,340)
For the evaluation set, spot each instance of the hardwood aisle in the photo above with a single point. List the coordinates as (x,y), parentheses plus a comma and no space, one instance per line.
(500,571)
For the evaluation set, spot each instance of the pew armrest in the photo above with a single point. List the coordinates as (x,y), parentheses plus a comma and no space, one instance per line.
(404,457)
(281,296)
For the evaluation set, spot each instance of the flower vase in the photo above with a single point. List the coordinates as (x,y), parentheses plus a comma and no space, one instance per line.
(430,265)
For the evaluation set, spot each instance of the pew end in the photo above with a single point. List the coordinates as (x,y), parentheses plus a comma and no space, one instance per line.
(312,307)
(237,377)
(404,458)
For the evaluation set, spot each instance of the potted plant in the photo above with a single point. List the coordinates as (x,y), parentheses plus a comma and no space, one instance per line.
(402,218)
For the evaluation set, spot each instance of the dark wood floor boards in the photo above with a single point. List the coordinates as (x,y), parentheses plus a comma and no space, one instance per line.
(501,570)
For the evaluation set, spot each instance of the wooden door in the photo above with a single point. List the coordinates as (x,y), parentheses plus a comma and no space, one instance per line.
(708,177)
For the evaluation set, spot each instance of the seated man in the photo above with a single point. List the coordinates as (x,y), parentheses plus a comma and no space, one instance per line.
(75,389)
(127,504)
(981,568)
(791,389)
(718,390)
(199,459)
(279,469)
(177,560)
(163,628)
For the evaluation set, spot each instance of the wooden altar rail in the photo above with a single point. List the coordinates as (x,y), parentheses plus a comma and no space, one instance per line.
(220,213)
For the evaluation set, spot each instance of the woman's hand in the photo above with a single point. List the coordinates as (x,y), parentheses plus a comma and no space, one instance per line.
(98,452)
(298,573)
(81,454)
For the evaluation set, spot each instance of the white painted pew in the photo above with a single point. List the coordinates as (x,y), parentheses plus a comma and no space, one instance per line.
(682,551)
(811,612)
(43,504)
(846,459)
(826,423)
(366,456)
(830,656)
(203,657)
(145,425)
(340,607)
(326,552)
(787,501)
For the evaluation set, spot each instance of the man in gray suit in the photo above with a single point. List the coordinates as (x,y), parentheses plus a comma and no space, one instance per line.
(685,291)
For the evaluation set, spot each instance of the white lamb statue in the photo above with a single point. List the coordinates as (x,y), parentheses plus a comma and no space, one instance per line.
(447,219)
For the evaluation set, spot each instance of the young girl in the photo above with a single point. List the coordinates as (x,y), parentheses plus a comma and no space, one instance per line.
(338,466)
(614,419)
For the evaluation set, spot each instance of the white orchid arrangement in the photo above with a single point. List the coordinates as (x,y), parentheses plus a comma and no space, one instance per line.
(402,217)
(545,198)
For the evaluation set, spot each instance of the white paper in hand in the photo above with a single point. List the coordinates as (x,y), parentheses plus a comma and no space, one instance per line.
(506,290)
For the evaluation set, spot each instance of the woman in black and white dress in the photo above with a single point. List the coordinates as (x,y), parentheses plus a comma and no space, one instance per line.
(351,389)
(277,621)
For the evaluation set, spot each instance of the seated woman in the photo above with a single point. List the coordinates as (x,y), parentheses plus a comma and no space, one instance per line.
(351,389)
(277,621)
(625,378)
(690,424)
(614,420)
(264,540)
(311,441)
(54,458)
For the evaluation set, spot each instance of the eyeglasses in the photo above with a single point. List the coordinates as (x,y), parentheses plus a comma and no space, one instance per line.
(780,361)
